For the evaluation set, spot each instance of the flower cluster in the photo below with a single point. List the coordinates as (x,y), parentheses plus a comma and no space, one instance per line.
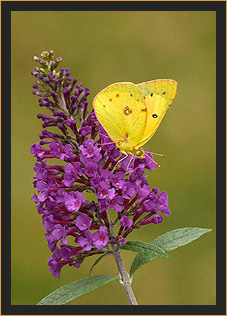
(88,162)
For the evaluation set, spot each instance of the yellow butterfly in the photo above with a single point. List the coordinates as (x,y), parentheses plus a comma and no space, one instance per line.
(131,113)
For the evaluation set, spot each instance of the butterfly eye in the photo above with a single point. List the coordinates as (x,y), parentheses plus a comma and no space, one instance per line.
(139,153)
(154,115)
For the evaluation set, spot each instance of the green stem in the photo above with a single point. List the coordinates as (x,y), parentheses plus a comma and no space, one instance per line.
(122,270)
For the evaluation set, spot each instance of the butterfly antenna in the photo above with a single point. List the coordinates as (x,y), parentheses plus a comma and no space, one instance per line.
(146,155)
(120,160)
(157,154)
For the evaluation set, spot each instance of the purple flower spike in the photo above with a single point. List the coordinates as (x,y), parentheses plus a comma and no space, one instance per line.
(83,222)
(80,157)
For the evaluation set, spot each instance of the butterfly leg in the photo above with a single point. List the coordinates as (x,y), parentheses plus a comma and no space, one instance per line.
(130,162)
(107,143)
(120,160)
(104,135)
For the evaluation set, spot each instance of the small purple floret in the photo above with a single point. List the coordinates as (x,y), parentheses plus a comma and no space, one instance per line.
(126,222)
(100,238)
(83,222)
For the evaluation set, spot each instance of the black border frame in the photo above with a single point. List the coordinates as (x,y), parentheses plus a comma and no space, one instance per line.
(6,8)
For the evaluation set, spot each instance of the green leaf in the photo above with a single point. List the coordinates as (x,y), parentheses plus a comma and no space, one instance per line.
(96,262)
(67,293)
(140,246)
(169,241)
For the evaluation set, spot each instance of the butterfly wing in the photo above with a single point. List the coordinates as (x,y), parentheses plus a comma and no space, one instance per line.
(159,96)
(120,108)
(167,88)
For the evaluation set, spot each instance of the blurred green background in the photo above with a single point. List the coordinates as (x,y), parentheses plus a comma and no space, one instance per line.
(102,48)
